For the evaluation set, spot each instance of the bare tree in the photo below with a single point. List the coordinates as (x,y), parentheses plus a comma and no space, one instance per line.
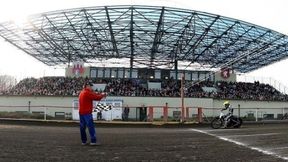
(7,82)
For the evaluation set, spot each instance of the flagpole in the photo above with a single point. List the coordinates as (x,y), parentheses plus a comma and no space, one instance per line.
(182,98)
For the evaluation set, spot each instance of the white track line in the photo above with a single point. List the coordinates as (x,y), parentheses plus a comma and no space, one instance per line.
(250,135)
(243,144)
(279,148)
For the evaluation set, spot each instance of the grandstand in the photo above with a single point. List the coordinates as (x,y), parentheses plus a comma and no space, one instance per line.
(66,86)
(144,51)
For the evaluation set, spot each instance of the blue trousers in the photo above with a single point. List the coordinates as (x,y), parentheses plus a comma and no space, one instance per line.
(87,121)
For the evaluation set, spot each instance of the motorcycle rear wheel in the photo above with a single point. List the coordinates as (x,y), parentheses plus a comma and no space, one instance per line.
(238,125)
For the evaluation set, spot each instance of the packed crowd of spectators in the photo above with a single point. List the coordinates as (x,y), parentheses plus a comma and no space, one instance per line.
(249,91)
(49,86)
(65,86)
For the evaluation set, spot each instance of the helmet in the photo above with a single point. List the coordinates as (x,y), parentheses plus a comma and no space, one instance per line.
(226,103)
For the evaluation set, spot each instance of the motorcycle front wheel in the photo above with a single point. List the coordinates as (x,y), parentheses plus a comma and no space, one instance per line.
(217,123)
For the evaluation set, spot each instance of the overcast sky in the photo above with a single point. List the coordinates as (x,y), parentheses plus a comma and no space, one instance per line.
(267,13)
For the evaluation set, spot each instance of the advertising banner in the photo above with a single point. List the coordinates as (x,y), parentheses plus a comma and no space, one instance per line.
(114,113)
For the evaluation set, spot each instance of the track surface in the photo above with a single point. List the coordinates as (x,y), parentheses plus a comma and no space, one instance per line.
(261,143)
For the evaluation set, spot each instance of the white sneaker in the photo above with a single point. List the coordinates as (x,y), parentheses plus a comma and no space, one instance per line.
(95,144)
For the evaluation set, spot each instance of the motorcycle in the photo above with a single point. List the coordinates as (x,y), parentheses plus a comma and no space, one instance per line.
(218,122)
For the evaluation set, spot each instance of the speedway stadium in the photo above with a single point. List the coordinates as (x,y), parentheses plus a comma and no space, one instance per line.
(145,52)
(167,65)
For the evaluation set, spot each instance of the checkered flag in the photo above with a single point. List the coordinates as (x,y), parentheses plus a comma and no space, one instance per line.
(102,107)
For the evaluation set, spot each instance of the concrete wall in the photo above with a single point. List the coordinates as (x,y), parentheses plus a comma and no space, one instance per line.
(21,103)
(259,107)
(64,104)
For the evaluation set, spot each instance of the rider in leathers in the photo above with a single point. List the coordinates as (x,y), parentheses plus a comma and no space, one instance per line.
(229,114)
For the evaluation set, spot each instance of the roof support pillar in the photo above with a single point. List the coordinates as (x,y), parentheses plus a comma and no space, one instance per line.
(131,43)
(176,69)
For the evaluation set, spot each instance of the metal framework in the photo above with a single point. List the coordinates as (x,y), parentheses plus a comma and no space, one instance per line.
(149,36)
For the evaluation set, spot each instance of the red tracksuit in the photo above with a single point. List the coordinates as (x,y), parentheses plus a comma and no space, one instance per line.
(86,98)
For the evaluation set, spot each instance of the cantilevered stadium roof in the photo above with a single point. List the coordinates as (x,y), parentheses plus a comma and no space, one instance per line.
(146,36)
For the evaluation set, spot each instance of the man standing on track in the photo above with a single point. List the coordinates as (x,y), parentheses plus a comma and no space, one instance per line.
(86,98)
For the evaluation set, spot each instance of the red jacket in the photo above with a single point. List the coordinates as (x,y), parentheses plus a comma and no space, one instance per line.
(86,98)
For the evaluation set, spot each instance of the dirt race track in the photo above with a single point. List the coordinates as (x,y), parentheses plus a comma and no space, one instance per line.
(22,142)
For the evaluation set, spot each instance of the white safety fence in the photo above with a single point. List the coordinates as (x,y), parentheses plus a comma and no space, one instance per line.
(146,114)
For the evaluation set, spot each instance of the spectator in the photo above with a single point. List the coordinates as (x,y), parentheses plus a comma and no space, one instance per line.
(126,113)
(99,115)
